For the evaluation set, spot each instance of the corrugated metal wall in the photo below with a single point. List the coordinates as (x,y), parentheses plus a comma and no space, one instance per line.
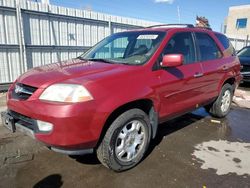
(34,34)
(238,44)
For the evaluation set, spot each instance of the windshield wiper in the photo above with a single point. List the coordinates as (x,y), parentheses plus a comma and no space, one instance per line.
(81,58)
(103,60)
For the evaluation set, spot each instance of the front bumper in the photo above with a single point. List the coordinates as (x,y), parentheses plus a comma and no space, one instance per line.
(15,125)
(246,76)
(76,127)
(16,122)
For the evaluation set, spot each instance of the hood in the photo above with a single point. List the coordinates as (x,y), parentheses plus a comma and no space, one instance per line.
(43,76)
(244,60)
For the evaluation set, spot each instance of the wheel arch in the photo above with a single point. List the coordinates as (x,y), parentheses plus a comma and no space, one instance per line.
(146,105)
(231,81)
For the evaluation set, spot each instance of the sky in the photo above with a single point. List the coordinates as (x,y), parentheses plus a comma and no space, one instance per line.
(164,11)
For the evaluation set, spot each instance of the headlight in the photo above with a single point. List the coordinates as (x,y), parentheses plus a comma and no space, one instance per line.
(71,93)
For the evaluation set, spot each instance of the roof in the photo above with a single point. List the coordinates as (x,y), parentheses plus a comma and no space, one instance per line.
(239,7)
(166,27)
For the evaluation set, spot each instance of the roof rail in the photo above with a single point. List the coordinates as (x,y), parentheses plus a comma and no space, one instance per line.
(172,25)
(208,28)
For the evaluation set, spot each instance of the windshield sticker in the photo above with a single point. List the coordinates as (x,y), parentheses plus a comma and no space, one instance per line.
(147,36)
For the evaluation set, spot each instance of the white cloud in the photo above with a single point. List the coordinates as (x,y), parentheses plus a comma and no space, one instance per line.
(164,1)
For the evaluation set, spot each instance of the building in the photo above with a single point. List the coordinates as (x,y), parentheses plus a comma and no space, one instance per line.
(237,25)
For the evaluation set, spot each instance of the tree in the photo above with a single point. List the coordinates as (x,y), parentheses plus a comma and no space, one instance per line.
(201,21)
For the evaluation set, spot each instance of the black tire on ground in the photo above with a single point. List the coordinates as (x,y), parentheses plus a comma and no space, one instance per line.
(107,152)
(215,109)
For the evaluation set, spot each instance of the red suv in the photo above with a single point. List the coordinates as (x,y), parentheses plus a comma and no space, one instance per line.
(111,99)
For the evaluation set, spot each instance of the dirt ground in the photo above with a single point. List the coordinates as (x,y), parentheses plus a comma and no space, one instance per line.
(194,150)
(242,96)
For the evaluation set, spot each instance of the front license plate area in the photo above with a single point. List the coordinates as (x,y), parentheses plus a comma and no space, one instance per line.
(8,121)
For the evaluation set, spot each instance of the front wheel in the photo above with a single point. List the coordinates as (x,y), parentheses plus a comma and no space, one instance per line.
(221,107)
(126,141)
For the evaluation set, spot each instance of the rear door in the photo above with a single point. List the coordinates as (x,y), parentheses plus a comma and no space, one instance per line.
(179,89)
(213,64)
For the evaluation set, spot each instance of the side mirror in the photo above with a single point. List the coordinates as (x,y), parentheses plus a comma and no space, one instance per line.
(172,60)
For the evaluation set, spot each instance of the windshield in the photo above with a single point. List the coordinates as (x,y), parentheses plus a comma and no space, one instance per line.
(245,52)
(134,48)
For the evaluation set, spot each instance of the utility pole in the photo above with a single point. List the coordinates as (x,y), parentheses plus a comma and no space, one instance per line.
(22,48)
(179,14)
(247,40)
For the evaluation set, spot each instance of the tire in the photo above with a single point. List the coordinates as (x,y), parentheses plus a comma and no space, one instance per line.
(125,141)
(221,107)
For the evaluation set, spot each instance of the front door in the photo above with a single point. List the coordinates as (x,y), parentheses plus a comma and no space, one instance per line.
(180,86)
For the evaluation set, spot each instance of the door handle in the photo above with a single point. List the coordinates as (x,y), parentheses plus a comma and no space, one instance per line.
(198,74)
(225,68)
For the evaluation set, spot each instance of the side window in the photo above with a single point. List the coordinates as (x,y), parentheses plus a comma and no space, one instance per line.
(181,43)
(226,43)
(223,39)
(207,47)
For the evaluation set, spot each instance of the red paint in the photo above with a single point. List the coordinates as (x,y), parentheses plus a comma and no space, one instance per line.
(172,91)
(172,60)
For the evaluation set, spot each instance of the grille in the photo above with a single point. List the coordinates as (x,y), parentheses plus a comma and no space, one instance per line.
(22,91)
(246,68)
(246,77)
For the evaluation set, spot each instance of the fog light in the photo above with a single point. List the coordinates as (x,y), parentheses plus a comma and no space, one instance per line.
(44,126)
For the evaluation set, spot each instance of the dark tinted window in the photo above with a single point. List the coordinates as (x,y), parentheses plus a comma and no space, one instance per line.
(245,52)
(241,23)
(226,43)
(207,47)
(181,43)
(224,40)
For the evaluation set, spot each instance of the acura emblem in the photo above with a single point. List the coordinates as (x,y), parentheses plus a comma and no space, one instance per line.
(18,89)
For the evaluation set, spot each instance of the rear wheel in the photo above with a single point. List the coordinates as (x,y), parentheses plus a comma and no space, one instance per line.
(126,141)
(221,107)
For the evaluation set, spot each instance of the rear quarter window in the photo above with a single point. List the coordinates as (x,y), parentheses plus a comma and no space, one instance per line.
(226,43)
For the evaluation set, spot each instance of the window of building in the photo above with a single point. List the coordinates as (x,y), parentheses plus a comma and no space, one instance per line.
(241,23)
